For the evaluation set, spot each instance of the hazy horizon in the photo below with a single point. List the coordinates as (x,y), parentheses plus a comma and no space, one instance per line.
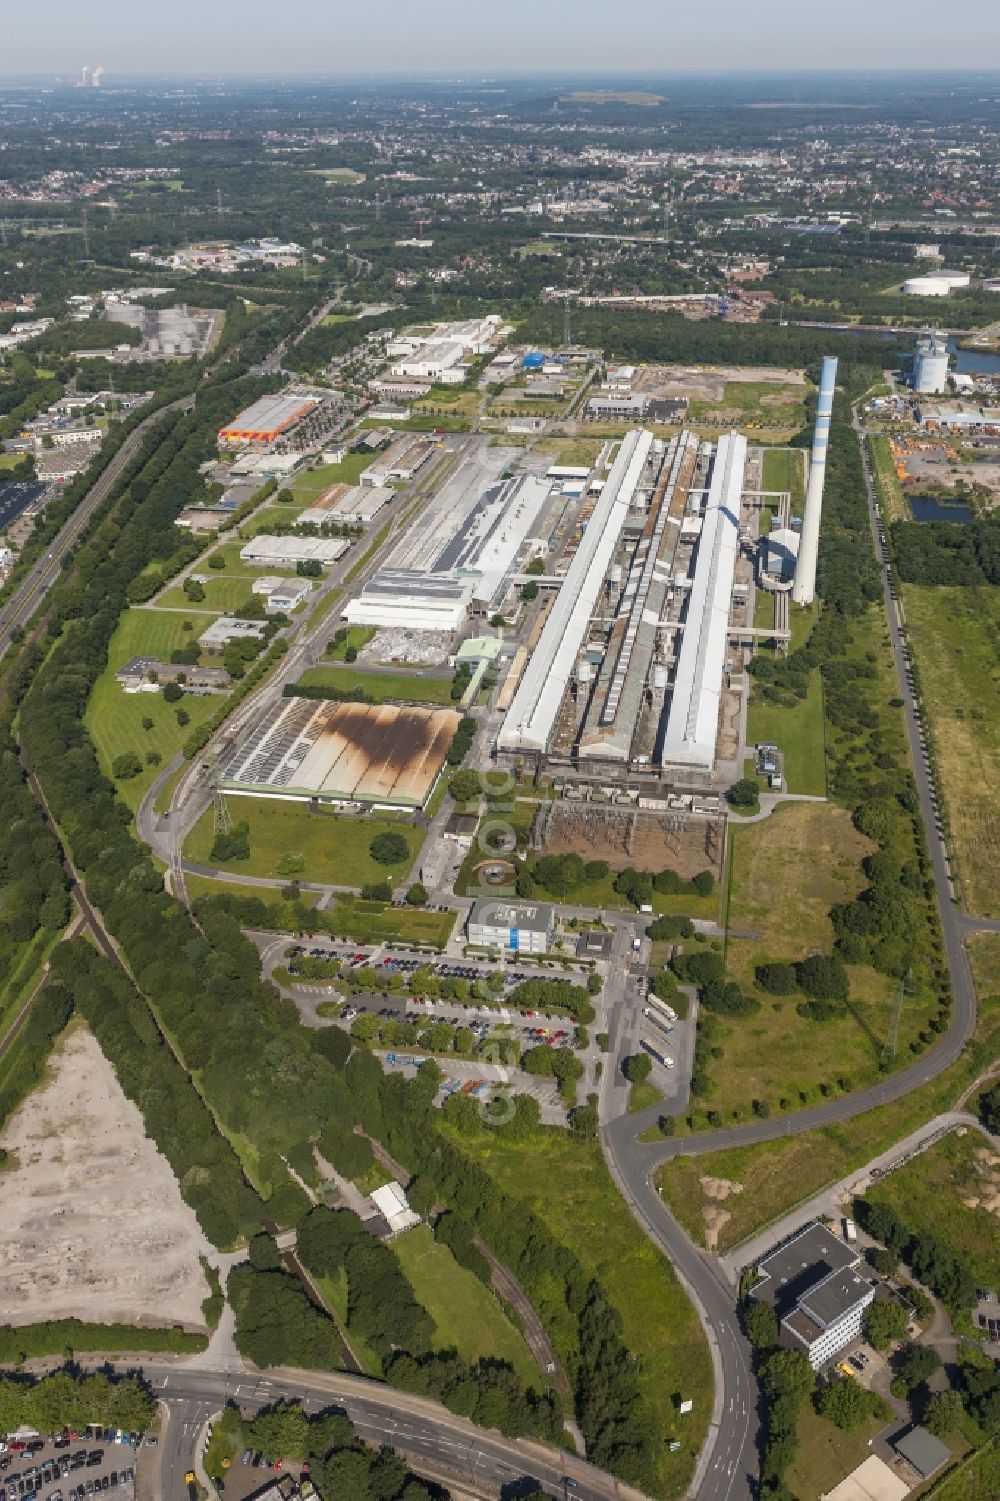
(447,37)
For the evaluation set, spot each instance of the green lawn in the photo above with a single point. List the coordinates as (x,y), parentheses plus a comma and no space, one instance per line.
(223,591)
(467,1316)
(784,469)
(412,687)
(773,1178)
(797,731)
(787,872)
(566,1182)
(114,719)
(641,1096)
(977,1479)
(205,886)
(357,636)
(945,1191)
(312,482)
(954,635)
(10,460)
(826,1454)
(335,849)
(371,922)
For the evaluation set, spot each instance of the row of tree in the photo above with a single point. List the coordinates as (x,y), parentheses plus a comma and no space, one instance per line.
(72,1399)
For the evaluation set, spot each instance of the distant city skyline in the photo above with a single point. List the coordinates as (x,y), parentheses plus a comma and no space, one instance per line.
(520,36)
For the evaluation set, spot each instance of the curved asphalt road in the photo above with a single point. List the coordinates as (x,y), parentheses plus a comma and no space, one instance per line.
(729,1462)
(435,1441)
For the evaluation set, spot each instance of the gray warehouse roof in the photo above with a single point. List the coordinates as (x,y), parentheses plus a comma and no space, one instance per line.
(923,1451)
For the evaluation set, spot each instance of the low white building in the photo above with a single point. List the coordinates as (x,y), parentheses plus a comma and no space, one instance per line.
(515,927)
(391,1203)
(415,601)
(285,552)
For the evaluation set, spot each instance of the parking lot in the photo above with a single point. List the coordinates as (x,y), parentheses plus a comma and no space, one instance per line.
(71,1467)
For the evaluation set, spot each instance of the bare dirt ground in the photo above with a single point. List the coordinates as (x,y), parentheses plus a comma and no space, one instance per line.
(94,1226)
(708,382)
(624,837)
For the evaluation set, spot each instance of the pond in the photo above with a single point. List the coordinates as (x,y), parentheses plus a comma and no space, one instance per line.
(929,508)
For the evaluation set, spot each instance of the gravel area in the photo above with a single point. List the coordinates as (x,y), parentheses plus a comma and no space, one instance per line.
(94,1226)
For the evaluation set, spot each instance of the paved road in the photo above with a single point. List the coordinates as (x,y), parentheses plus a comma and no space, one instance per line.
(31,592)
(433,1439)
(730,1459)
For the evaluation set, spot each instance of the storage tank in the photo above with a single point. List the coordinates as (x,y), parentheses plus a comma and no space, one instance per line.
(930,365)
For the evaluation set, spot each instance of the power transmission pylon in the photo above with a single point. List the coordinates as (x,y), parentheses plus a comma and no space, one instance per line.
(891,1046)
(567,325)
(220,808)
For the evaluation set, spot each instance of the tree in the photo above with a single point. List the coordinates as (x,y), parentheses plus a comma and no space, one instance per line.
(761,1323)
(464,786)
(884,1323)
(743,794)
(883,1261)
(126,766)
(263,1253)
(845,1403)
(943,1414)
(182,717)
(594,984)
(989,1109)
(777,979)
(637,1067)
(529,591)
(377,891)
(583,1121)
(173,693)
(787,1373)
(389,849)
(416,896)
(915,1364)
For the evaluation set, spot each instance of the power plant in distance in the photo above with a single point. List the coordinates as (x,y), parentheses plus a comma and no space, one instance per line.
(804,584)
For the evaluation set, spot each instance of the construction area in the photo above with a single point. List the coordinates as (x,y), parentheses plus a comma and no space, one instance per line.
(94,1224)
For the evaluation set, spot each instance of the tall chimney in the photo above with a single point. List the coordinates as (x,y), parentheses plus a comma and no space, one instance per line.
(804,583)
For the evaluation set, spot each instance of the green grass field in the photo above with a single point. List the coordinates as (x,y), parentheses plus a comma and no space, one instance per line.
(411,687)
(826,1454)
(798,732)
(773,1178)
(467,1317)
(954,632)
(945,1191)
(198,886)
(566,1182)
(223,591)
(312,482)
(114,719)
(784,469)
(755,404)
(977,1479)
(335,849)
(357,636)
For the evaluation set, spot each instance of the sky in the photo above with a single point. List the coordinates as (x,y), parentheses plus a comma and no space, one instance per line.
(442,37)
